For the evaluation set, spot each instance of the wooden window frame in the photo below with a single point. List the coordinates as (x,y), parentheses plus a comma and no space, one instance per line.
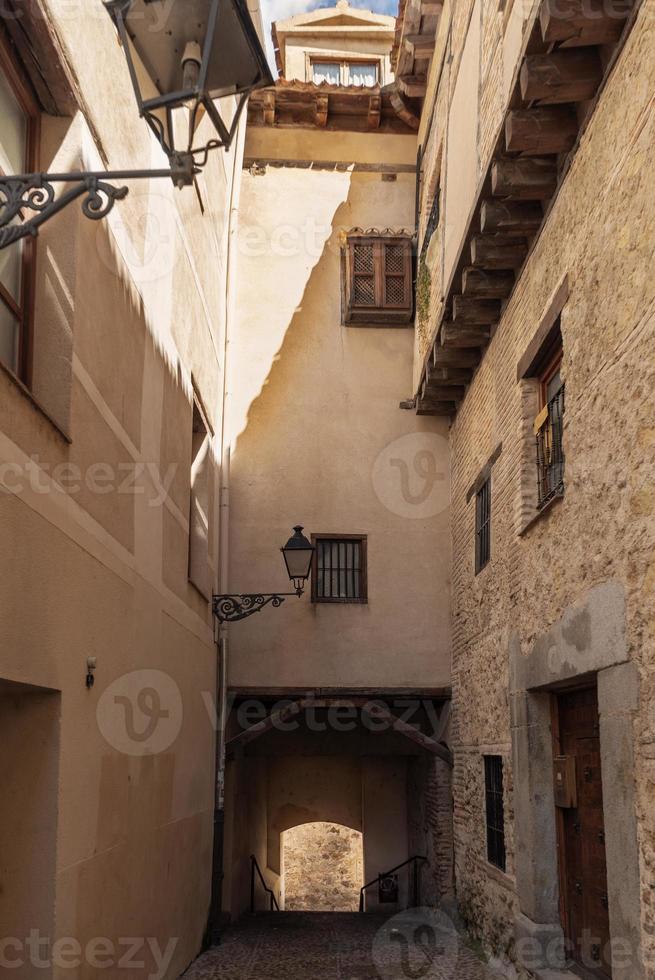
(23,311)
(497,827)
(483,525)
(344,66)
(380,313)
(546,375)
(363,570)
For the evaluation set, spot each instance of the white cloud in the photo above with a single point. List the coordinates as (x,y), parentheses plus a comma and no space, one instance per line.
(273,10)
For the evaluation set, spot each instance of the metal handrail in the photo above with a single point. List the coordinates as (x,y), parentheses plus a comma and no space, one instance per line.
(384,874)
(254,866)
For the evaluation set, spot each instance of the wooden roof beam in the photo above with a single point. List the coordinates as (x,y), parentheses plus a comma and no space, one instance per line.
(509,217)
(374,112)
(426,407)
(574,23)
(533,179)
(420,45)
(475,312)
(321,107)
(489,253)
(413,86)
(443,375)
(402,111)
(268,106)
(443,357)
(444,393)
(480,284)
(454,336)
(561,76)
(541,131)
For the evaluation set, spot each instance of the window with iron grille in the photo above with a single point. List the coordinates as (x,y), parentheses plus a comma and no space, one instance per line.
(495,810)
(483,525)
(339,568)
(548,427)
(378,287)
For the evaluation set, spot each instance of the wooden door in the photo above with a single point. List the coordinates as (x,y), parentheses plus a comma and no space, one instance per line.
(581,835)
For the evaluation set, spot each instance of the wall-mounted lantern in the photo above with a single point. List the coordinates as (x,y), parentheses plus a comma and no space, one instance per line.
(183,57)
(298,553)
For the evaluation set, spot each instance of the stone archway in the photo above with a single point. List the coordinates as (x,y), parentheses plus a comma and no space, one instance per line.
(322,867)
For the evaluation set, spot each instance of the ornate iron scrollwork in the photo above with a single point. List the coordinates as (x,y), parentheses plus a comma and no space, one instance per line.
(36,193)
(17,194)
(232,608)
(24,193)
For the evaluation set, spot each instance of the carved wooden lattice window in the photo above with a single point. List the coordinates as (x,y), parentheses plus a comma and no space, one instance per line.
(378,280)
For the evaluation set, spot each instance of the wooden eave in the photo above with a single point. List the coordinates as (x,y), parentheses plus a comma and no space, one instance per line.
(305,105)
(30,32)
(417,26)
(557,86)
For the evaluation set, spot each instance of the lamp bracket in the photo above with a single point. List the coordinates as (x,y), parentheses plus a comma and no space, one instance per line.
(36,193)
(232,608)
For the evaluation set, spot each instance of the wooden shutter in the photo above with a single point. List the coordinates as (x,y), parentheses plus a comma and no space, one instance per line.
(379,287)
(397,276)
(364,286)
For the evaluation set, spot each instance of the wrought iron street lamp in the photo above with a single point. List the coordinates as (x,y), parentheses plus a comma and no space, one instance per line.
(298,553)
(184,57)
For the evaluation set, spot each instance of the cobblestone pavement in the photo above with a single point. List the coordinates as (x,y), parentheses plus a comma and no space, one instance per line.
(415,945)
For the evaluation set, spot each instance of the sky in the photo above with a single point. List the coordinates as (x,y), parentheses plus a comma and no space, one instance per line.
(280,9)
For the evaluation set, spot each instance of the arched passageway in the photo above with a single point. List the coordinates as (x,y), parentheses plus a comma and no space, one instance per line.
(322,867)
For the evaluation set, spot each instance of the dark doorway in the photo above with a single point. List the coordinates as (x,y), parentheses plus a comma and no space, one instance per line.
(581,832)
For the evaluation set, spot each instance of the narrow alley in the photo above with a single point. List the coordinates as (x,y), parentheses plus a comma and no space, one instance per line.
(418,943)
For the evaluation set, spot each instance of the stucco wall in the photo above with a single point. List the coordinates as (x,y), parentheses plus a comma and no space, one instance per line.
(314,419)
(128,311)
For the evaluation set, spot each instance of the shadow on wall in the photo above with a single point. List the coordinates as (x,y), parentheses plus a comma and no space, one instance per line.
(120,591)
(322,868)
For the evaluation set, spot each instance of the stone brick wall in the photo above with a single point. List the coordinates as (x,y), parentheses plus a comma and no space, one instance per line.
(601,234)
(323,868)
(429,793)
(597,234)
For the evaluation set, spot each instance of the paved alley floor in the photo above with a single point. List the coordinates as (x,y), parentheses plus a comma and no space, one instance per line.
(415,945)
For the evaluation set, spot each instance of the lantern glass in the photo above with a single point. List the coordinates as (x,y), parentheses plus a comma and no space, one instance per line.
(298,553)
(160,39)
